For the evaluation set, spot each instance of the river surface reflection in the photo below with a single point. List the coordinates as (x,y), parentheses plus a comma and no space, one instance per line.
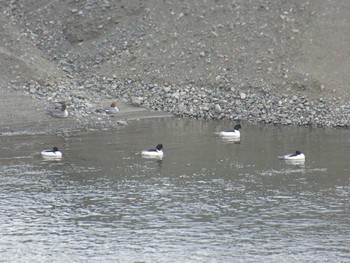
(207,200)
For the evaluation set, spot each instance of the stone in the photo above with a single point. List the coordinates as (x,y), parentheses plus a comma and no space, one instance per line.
(243,96)
(137,101)
(217,108)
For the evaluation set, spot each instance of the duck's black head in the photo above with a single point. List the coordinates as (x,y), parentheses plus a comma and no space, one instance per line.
(55,149)
(237,126)
(298,152)
(159,147)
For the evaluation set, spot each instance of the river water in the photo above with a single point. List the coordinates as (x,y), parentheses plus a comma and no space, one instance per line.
(207,200)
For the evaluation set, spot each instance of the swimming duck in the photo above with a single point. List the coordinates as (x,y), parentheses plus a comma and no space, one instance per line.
(298,155)
(52,153)
(235,133)
(59,113)
(154,153)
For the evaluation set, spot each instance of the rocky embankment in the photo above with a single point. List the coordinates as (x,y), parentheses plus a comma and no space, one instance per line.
(281,63)
(253,105)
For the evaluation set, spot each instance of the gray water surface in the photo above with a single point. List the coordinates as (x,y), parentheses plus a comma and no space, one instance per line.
(208,200)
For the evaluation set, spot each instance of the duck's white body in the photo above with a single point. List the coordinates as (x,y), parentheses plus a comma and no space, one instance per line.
(298,156)
(230,134)
(150,154)
(52,153)
(154,153)
(233,134)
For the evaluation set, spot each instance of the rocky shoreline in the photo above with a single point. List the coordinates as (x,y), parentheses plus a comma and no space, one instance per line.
(253,105)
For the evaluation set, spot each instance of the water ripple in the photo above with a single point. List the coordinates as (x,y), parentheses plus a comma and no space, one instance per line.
(222,207)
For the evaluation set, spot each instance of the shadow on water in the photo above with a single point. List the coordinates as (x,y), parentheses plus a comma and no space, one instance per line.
(207,200)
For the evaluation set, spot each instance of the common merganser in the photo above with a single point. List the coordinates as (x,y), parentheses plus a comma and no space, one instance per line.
(110,109)
(154,153)
(298,155)
(235,133)
(59,113)
(52,153)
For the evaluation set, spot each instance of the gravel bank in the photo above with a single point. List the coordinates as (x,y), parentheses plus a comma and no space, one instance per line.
(278,62)
(254,105)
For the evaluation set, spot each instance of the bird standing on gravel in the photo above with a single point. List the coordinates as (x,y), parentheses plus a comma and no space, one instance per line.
(59,113)
(110,109)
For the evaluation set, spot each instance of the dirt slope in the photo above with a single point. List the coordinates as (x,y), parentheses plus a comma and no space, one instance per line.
(278,46)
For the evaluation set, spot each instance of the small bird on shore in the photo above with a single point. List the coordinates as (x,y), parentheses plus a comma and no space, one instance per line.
(112,109)
(59,113)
